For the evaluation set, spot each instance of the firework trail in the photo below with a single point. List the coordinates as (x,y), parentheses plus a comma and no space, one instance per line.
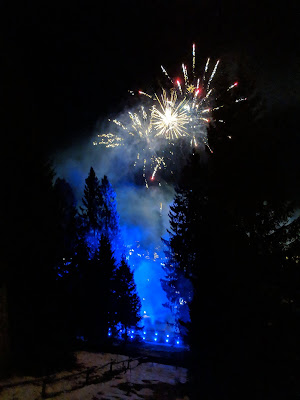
(181,111)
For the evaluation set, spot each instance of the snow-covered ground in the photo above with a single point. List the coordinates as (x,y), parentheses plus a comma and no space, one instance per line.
(143,380)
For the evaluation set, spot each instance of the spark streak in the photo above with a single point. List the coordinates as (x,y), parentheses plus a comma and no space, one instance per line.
(194,58)
(213,74)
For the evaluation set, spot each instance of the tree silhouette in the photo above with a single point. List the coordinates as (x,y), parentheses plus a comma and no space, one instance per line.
(92,201)
(98,286)
(99,214)
(187,237)
(243,307)
(66,214)
(126,302)
(110,216)
(34,297)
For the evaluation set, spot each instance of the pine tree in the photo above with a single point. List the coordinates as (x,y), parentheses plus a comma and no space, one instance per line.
(127,304)
(34,299)
(100,214)
(109,215)
(187,237)
(98,292)
(92,201)
(241,280)
(77,282)
(66,213)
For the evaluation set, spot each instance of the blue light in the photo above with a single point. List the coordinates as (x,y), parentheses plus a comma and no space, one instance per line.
(177,342)
(144,332)
(131,337)
(156,333)
(168,335)
(144,338)
(132,232)
(132,331)
(148,268)
(155,338)
(167,340)
(109,333)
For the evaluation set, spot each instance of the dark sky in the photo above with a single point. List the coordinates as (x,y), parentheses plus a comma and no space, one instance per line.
(76,62)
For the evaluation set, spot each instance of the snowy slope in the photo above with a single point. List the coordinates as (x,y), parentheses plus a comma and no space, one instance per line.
(144,380)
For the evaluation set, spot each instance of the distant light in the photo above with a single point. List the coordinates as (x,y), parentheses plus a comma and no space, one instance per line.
(168,335)
(156,333)
(109,334)
(144,338)
(131,337)
(155,338)
(144,332)
(167,340)
(132,331)
(145,312)
(177,342)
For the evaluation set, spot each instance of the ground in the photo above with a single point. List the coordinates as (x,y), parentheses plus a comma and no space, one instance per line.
(111,376)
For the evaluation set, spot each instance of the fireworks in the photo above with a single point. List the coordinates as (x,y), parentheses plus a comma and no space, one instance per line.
(181,110)
(171,118)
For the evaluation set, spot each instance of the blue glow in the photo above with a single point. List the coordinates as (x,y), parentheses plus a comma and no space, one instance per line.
(144,338)
(143,221)
(131,337)
(177,342)
(144,333)
(167,340)
(143,225)
(109,333)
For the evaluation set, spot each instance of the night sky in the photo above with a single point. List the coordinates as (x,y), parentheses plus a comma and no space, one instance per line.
(76,63)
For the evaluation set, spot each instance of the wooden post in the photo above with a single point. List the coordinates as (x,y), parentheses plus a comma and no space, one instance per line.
(44,388)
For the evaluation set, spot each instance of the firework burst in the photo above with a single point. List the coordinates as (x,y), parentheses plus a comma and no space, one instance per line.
(170,118)
(182,110)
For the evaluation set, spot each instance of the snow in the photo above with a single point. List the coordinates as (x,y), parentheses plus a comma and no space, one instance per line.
(141,381)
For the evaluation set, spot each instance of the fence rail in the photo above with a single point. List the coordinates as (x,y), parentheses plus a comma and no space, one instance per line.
(88,376)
